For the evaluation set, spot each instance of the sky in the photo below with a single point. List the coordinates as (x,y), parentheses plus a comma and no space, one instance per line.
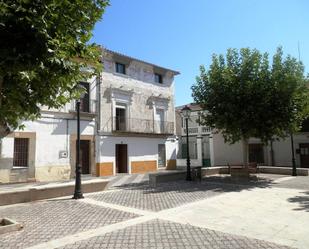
(182,35)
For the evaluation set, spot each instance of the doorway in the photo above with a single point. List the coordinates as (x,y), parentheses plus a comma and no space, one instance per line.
(161,155)
(84,156)
(121,158)
(304,155)
(256,153)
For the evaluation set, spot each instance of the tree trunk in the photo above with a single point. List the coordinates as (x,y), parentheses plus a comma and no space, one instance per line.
(4,131)
(245,151)
(272,153)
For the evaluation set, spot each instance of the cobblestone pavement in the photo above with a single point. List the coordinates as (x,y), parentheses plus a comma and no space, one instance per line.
(163,234)
(69,220)
(44,221)
(167,195)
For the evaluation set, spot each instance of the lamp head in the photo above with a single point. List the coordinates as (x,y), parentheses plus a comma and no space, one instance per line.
(186,112)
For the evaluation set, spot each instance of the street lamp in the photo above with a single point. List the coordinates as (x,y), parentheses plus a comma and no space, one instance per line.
(186,111)
(78,194)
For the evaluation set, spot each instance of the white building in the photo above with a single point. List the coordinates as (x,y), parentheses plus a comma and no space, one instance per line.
(137,130)
(127,126)
(206,145)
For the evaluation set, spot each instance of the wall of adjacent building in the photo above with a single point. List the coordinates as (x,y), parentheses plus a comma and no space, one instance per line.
(224,153)
(143,150)
(48,137)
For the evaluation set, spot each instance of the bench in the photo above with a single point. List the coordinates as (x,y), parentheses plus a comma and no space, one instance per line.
(250,167)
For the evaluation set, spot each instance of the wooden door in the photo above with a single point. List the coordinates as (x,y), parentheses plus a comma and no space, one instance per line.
(121,158)
(304,155)
(84,156)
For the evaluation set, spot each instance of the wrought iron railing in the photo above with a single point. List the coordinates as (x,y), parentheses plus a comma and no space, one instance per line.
(134,125)
(86,106)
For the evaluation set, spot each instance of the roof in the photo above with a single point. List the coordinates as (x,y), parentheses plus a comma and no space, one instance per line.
(145,62)
(192,106)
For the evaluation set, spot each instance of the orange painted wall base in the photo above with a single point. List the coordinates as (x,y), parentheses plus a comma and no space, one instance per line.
(143,166)
(104,169)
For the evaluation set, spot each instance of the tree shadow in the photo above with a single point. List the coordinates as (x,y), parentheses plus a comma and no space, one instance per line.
(212,183)
(302,200)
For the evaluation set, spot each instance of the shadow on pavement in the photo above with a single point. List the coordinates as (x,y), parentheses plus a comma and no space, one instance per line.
(302,200)
(213,183)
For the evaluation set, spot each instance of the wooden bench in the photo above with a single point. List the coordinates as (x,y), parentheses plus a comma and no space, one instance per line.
(251,167)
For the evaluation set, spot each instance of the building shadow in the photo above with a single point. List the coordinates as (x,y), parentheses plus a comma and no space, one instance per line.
(302,200)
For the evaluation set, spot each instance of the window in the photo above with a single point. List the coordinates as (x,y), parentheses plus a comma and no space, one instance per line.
(158,78)
(120,68)
(21,149)
(84,101)
(120,119)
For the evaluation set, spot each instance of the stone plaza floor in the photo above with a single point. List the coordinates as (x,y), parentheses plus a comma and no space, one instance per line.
(269,212)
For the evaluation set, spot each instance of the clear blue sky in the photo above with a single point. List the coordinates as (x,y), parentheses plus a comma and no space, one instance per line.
(182,35)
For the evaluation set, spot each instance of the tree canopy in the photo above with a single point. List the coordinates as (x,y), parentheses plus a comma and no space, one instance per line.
(43,46)
(247,97)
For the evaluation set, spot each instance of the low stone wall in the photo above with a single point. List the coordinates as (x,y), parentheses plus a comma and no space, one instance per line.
(283,170)
(50,191)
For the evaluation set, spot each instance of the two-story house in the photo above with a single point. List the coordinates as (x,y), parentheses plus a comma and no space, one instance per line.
(136,124)
(45,149)
(127,126)
(206,145)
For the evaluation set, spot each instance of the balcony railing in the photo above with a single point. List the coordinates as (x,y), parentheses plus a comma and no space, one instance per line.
(197,130)
(86,106)
(134,125)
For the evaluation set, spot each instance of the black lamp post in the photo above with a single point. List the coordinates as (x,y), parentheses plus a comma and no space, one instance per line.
(78,194)
(294,173)
(186,111)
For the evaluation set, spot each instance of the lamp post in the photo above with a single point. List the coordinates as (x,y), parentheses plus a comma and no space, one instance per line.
(294,173)
(78,194)
(186,111)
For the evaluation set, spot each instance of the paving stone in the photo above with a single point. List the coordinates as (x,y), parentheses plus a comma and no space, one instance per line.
(167,235)
(165,196)
(44,221)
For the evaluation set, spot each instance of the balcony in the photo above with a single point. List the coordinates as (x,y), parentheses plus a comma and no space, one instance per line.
(87,107)
(142,126)
(200,130)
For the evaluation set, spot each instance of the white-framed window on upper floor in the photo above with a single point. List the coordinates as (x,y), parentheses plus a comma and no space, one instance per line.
(120,117)
(158,78)
(120,68)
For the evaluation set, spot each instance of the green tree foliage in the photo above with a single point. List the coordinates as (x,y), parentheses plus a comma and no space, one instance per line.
(247,97)
(43,46)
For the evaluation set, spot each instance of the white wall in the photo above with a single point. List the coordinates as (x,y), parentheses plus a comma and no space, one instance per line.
(52,136)
(139,148)
(225,153)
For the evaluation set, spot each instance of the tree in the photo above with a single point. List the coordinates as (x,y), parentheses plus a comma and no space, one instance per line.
(44,45)
(246,97)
